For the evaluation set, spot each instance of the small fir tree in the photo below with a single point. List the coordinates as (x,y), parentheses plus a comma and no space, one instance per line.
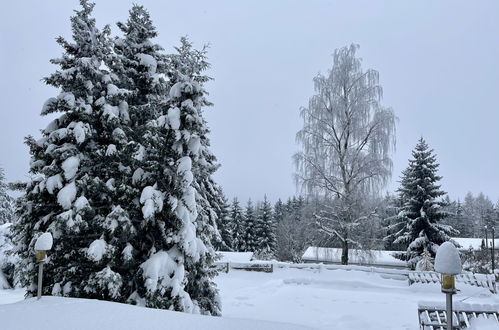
(250,229)
(265,230)
(279,211)
(223,242)
(237,226)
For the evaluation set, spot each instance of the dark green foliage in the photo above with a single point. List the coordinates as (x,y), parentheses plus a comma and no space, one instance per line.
(422,209)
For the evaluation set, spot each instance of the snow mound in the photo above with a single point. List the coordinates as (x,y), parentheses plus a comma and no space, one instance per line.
(44,242)
(447,260)
(57,313)
(481,323)
(235,256)
(67,195)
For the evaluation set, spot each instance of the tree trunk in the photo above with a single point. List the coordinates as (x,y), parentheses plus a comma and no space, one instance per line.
(344,253)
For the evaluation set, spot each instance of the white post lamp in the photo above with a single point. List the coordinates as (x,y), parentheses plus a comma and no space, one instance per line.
(42,245)
(448,263)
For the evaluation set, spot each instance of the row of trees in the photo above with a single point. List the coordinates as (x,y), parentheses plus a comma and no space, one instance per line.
(250,229)
(473,215)
(281,231)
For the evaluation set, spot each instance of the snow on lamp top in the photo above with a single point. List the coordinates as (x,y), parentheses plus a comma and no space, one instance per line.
(44,242)
(447,260)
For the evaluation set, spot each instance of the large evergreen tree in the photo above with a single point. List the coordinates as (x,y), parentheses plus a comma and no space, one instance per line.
(6,202)
(77,175)
(123,179)
(421,211)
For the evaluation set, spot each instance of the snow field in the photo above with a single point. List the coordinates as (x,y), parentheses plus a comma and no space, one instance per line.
(294,298)
(56,313)
(333,299)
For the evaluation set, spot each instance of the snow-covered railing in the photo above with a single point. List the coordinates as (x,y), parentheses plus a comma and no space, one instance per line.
(433,316)
(257,266)
(479,280)
(269,266)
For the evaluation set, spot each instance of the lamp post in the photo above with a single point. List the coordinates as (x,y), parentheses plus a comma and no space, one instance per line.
(42,245)
(448,264)
(491,245)
(492,248)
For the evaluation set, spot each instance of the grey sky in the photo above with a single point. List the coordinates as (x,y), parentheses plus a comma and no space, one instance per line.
(438,64)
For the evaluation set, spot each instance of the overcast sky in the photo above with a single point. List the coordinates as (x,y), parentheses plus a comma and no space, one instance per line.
(438,64)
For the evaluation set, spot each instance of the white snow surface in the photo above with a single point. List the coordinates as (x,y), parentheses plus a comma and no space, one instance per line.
(148,61)
(333,255)
(474,243)
(57,313)
(481,323)
(334,299)
(53,182)
(152,200)
(79,131)
(81,203)
(97,250)
(447,260)
(234,256)
(70,167)
(67,195)
(301,298)
(174,117)
(44,242)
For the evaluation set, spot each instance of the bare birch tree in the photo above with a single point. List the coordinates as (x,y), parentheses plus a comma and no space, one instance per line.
(346,141)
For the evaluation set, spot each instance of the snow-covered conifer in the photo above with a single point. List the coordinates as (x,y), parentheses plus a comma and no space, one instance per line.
(279,210)
(223,242)
(179,199)
(77,172)
(265,230)
(250,233)
(6,201)
(238,226)
(421,211)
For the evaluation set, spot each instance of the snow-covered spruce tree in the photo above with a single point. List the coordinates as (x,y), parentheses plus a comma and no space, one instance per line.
(223,242)
(265,230)
(421,210)
(179,199)
(238,226)
(250,232)
(77,173)
(6,201)
(279,211)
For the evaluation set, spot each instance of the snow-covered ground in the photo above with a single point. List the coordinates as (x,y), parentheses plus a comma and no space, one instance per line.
(333,299)
(318,299)
(56,313)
